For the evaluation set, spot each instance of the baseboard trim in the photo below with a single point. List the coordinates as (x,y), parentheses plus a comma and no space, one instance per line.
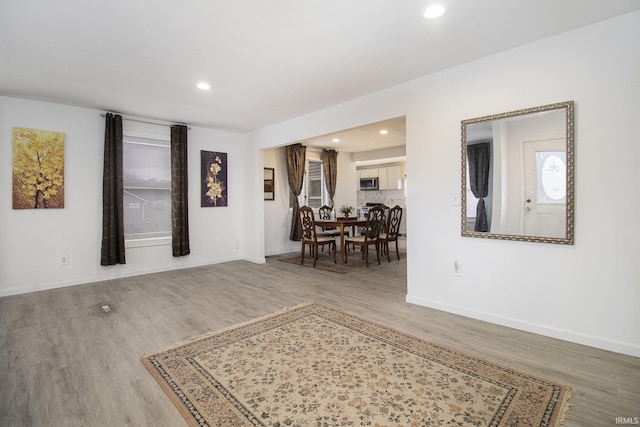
(120,274)
(629,349)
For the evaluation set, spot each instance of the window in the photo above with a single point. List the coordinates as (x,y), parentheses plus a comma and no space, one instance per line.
(314,192)
(147,188)
(315,184)
(552,176)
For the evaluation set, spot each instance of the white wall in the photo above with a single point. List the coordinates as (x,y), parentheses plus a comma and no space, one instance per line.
(33,241)
(277,219)
(587,293)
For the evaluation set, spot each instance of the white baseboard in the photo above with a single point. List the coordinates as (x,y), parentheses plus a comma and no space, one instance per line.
(119,275)
(565,335)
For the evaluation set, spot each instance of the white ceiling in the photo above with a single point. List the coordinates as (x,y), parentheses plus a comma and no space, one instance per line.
(267,61)
(363,138)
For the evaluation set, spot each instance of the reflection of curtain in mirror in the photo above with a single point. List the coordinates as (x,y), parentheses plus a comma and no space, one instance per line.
(330,167)
(479,157)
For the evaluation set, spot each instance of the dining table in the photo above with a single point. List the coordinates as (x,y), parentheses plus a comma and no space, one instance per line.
(341,224)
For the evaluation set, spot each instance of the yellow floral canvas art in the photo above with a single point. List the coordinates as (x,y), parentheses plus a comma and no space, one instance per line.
(38,169)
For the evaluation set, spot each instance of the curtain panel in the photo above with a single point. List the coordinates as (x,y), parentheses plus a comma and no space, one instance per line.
(179,192)
(112,251)
(330,168)
(296,156)
(479,156)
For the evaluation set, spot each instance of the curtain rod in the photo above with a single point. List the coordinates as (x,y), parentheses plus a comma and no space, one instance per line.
(147,122)
(315,149)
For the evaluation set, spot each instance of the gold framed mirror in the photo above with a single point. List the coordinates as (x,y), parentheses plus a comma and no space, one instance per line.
(518,175)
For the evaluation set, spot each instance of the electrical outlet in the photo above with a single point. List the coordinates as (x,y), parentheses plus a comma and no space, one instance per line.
(237,244)
(455,199)
(457,268)
(64,259)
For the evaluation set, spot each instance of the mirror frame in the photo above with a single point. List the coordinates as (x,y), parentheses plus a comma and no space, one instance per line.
(569,236)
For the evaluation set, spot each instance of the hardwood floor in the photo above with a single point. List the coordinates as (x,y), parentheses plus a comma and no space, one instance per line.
(63,361)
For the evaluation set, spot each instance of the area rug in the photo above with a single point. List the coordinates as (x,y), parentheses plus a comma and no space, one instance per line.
(311,365)
(354,262)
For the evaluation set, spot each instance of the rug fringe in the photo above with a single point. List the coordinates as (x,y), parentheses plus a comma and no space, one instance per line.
(563,412)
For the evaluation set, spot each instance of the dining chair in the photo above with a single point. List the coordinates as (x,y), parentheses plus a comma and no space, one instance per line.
(324,212)
(392,231)
(385,217)
(310,236)
(370,234)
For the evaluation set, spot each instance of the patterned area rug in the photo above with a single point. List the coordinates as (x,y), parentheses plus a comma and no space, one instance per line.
(315,366)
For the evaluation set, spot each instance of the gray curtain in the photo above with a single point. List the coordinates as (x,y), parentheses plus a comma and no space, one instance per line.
(296,155)
(330,168)
(112,252)
(479,157)
(179,192)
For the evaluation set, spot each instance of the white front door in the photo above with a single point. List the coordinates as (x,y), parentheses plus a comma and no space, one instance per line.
(545,188)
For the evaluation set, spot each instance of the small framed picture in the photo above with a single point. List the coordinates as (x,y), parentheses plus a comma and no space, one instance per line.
(269,190)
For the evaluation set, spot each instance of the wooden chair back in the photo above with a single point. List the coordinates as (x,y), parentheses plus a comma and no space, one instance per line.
(325,212)
(385,218)
(393,222)
(375,223)
(308,224)
(309,236)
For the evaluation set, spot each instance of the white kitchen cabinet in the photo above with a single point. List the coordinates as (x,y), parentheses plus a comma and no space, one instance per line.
(394,175)
(369,173)
(390,178)
(383,183)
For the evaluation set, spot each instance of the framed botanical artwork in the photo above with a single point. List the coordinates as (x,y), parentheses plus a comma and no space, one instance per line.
(38,169)
(269,187)
(213,172)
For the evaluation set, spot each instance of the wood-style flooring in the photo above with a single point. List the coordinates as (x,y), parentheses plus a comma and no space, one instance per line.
(64,362)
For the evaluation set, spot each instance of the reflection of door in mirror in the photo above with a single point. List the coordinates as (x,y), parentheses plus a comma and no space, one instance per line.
(545,188)
(530,184)
(510,136)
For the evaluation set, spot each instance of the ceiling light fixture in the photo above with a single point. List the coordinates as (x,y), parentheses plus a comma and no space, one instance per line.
(335,140)
(384,132)
(434,11)
(203,86)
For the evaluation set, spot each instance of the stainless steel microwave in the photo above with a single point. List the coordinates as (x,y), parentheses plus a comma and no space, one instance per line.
(368,184)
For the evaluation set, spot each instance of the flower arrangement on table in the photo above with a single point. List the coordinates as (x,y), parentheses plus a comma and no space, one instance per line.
(346,210)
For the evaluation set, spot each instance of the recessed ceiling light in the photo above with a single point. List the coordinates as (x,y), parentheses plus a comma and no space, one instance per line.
(335,140)
(434,11)
(203,86)
(384,132)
